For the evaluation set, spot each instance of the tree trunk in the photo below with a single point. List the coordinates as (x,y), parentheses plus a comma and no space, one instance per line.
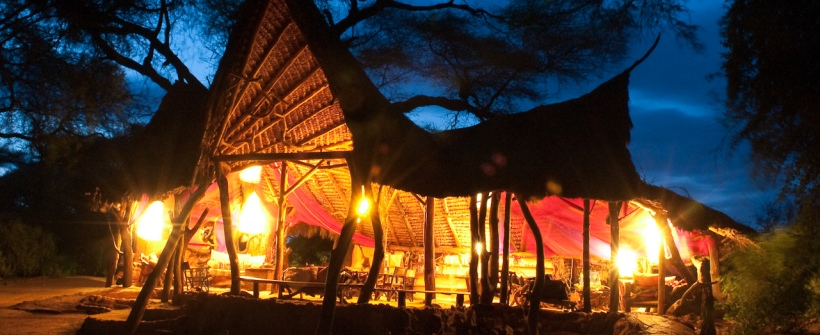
(378,249)
(227,225)
(484,256)
(280,227)
(128,256)
(111,277)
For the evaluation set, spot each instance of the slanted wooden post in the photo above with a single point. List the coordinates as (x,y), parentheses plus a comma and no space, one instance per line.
(429,251)
(535,298)
(614,245)
(676,260)
(138,309)
(337,256)
(587,291)
(505,262)
(378,247)
(227,224)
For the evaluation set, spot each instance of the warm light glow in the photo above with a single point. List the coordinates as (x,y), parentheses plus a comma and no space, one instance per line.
(479,248)
(252,219)
(627,263)
(364,205)
(251,174)
(652,240)
(152,222)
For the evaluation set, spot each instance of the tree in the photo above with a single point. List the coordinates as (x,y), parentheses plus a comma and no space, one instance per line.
(51,94)
(772,73)
(772,80)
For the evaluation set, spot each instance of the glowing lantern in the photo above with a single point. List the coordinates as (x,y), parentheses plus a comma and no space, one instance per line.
(252,219)
(251,174)
(150,225)
(479,248)
(652,240)
(627,263)
(364,205)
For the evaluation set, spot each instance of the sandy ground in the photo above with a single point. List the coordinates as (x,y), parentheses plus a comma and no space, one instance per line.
(58,313)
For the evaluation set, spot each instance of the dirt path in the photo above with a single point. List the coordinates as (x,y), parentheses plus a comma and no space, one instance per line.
(52,298)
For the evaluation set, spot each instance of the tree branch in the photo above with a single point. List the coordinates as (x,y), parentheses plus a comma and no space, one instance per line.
(409,105)
(357,15)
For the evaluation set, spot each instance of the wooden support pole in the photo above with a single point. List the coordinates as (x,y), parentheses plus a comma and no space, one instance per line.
(538,287)
(662,278)
(474,239)
(227,225)
(614,245)
(494,240)
(587,270)
(280,224)
(505,262)
(429,251)
(708,300)
(484,256)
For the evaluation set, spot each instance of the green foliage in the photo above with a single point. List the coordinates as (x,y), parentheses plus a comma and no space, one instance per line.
(309,250)
(774,287)
(26,251)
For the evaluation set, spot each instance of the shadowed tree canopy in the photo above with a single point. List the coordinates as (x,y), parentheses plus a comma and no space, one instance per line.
(772,73)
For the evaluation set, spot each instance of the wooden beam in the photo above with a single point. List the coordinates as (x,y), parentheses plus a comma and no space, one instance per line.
(450,222)
(278,156)
(406,225)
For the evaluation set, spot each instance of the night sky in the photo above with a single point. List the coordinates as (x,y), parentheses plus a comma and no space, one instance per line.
(678,141)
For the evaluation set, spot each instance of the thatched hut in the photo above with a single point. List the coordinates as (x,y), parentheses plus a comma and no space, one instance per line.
(289,98)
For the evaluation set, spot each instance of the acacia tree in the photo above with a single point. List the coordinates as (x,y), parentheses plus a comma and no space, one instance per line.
(772,73)
(772,77)
(52,95)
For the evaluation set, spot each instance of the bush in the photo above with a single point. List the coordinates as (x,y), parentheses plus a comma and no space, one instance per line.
(26,251)
(774,287)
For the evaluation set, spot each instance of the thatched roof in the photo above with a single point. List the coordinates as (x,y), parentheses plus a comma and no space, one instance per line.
(285,85)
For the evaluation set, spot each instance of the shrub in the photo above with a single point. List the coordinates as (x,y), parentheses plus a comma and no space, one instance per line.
(26,251)
(774,287)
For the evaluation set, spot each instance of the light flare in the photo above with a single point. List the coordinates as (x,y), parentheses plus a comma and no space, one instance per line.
(151,224)
(252,219)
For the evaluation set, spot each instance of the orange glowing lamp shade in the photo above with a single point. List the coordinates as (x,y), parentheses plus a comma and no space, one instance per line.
(251,174)
(252,218)
(627,263)
(152,222)
(652,240)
